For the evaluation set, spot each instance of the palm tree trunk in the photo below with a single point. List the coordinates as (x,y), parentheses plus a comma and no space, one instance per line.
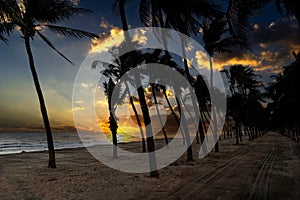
(205,119)
(186,67)
(186,131)
(139,123)
(113,125)
(52,163)
(241,133)
(202,130)
(142,100)
(123,16)
(113,129)
(237,126)
(214,117)
(150,140)
(137,118)
(194,123)
(172,111)
(158,114)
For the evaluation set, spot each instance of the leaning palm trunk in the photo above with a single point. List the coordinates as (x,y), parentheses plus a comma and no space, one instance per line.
(150,139)
(137,117)
(52,163)
(175,116)
(142,100)
(158,114)
(214,117)
(190,151)
(172,111)
(139,123)
(186,132)
(194,123)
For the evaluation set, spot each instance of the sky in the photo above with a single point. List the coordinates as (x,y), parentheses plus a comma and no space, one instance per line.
(273,39)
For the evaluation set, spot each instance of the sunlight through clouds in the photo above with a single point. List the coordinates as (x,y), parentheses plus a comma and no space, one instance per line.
(103,44)
(202,59)
(114,38)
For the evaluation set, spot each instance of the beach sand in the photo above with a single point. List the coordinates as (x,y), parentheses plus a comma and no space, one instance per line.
(267,168)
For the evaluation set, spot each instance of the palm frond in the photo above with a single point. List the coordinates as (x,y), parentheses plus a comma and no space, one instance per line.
(5,30)
(239,12)
(145,12)
(70,32)
(150,12)
(52,10)
(279,7)
(229,44)
(45,39)
(6,13)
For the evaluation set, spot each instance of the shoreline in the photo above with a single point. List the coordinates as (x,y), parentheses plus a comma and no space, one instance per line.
(131,143)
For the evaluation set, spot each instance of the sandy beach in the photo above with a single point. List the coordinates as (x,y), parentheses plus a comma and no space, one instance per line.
(267,168)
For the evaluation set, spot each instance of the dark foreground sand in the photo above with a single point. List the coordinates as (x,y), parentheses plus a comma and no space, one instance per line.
(267,168)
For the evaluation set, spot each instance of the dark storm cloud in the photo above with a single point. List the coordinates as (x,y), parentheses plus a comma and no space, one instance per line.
(283,32)
(272,47)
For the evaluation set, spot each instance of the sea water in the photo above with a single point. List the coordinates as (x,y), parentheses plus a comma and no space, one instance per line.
(11,143)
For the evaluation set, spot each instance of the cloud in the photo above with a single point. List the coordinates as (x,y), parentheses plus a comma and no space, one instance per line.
(237,58)
(105,24)
(86,85)
(283,32)
(114,38)
(107,41)
(272,47)
(78,108)
(140,37)
(202,59)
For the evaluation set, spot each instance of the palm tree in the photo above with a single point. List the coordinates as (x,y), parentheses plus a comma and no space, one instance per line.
(284,92)
(120,5)
(113,124)
(30,17)
(118,69)
(213,37)
(240,11)
(244,104)
(154,89)
(182,16)
(238,14)
(187,22)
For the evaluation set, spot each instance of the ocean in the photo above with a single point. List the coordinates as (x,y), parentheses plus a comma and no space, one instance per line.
(12,143)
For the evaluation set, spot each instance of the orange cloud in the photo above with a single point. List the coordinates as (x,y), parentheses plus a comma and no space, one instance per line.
(107,41)
(114,38)
(234,61)
(202,59)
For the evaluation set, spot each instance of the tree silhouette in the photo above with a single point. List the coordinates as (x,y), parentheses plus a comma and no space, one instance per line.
(30,17)
(116,70)
(284,92)
(238,14)
(120,6)
(244,103)
(113,124)
(291,8)
(182,16)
